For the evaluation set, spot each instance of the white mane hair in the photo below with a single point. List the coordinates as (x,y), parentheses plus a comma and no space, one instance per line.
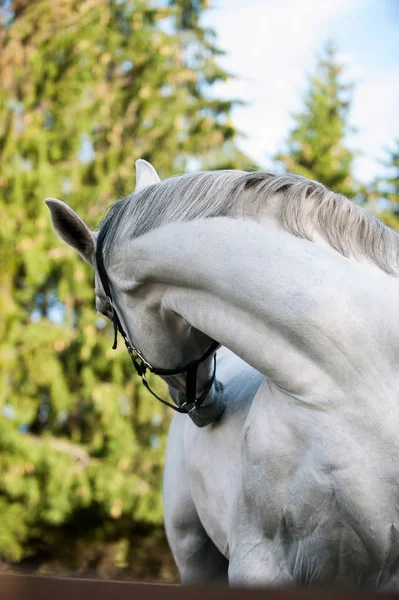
(300,206)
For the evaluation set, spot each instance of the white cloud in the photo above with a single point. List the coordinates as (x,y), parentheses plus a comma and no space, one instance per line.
(375,115)
(272,47)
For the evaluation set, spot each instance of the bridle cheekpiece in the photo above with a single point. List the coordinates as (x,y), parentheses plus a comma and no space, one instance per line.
(141,364)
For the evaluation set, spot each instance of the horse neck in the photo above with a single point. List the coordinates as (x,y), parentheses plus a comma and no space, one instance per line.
(236,282)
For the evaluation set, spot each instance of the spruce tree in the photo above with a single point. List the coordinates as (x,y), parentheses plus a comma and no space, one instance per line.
(87,88)
(388,187)
(391,181)
(316,144)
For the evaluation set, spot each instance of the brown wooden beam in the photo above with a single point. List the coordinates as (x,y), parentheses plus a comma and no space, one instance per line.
(27,587)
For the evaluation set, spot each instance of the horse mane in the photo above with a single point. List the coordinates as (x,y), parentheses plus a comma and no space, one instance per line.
(301,206)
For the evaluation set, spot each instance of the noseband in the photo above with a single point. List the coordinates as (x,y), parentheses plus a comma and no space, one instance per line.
(140,363)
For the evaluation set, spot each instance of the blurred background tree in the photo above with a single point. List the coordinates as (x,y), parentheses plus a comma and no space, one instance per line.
(88,86)
(387,188)
(316,144)
(392,180)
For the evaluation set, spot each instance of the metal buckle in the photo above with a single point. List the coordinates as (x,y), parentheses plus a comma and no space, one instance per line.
(185,404)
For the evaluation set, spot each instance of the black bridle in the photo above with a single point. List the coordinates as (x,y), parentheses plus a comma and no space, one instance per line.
(141,364)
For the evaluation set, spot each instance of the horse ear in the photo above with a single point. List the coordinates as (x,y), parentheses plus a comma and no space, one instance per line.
(71,229)
(145,174)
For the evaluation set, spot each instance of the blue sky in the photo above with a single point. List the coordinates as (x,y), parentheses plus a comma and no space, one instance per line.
(271,45)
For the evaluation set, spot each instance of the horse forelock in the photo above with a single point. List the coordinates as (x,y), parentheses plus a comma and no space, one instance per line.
(301,206)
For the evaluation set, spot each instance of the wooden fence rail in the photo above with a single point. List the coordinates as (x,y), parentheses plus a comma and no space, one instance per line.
(22,587)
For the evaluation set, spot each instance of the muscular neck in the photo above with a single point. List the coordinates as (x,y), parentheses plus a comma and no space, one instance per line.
(234,281)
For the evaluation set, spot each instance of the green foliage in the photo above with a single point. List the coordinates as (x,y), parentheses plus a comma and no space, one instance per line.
(315,148)
(391,181)
(87,88)
(388,187)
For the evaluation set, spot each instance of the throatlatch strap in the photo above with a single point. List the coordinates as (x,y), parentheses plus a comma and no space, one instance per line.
(188,405)
(115,344)
(191,382)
